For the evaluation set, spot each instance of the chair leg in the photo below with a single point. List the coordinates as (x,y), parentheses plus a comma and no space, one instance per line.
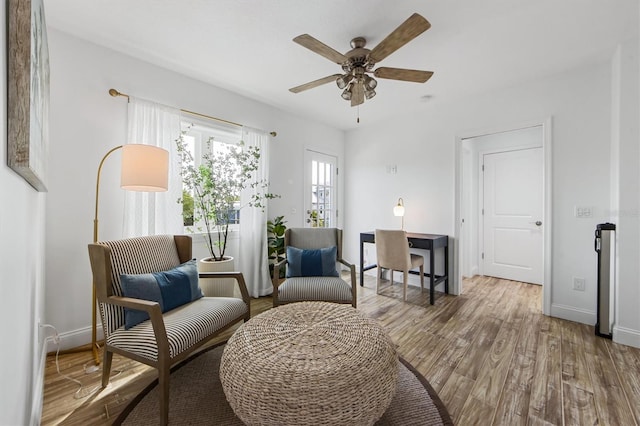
(422,277)
(405,281)
(107,357)
(378,281)
(163,385)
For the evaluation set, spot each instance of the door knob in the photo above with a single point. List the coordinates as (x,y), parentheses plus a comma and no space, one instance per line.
(538,223)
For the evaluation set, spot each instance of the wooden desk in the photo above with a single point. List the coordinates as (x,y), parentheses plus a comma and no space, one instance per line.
(419,241)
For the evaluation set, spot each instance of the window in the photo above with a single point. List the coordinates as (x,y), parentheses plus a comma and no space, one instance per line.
(198,139)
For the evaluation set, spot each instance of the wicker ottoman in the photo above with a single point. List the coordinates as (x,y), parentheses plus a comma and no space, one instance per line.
(309,363)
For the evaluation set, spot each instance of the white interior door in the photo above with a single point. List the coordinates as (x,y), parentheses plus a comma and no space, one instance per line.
(320,193)
(513,207)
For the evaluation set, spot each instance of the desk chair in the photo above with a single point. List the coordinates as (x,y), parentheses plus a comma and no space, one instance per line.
(392,248)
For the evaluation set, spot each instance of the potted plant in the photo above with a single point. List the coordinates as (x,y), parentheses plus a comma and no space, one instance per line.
(211,194)
(275,243)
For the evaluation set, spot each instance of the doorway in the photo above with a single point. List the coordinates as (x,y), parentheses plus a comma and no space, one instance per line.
(320,190)
(516,239)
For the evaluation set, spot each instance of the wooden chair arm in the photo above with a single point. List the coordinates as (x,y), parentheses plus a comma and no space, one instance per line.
(345,263)
(275,279)
(352,273)
(132,303)
(239,277)
(155,316)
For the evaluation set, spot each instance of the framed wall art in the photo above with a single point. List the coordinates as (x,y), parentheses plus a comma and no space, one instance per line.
(28,91)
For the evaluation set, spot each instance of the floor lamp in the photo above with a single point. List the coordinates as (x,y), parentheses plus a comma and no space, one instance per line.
(398,210)
(143,168)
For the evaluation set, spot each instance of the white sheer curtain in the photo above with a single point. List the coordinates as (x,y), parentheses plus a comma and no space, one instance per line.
(152,213)
(253,253)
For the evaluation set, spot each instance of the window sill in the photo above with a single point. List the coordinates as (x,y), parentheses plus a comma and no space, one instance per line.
(234,234)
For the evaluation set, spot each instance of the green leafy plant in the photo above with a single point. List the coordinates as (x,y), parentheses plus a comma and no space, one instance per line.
(315,221)
(187,208)
(275,242)
(211,190)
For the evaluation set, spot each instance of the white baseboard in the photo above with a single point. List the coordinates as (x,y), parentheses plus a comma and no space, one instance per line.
(474,270)
(626,336)
(622,335)
(571,313)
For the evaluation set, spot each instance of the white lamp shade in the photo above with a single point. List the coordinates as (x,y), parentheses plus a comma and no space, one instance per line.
(144,168)
(398,210)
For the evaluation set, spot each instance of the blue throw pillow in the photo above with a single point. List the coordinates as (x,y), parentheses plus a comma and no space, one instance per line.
(143,286)
(170,289)
(179,284)
(312,263)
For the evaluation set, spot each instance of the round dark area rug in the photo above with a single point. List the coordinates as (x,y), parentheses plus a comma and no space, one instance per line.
(196,398)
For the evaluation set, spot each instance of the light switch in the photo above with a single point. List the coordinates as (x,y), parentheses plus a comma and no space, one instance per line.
(582,212)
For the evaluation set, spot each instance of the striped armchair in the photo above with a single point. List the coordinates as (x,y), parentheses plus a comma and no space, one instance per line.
(166,338)
(314,288)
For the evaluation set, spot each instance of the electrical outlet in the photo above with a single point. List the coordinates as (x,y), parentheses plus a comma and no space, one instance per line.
(579,284)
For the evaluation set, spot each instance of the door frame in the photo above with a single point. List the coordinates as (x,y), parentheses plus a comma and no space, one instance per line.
(457,285)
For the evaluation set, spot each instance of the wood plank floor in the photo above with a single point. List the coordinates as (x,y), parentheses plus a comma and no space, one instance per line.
(490,354)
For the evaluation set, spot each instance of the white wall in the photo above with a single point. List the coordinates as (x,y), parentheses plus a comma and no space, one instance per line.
(422,145)
(22,285)
(86,122)
(625,213)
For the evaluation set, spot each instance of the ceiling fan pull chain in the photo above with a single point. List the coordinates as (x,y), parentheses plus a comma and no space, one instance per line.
(358,119)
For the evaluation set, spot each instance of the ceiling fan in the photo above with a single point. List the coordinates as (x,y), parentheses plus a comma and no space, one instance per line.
(359,62)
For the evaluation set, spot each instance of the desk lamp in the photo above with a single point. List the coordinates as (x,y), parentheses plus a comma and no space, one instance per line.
(398,210)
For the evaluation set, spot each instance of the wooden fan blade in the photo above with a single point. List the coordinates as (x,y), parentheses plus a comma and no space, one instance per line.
(407,31)
(320,48)
(357,94)
(315,83)
(403,74)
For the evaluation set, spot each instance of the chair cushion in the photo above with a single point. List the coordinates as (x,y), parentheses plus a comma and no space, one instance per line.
(310,263)
(170,289)
(329,289)
(185,326)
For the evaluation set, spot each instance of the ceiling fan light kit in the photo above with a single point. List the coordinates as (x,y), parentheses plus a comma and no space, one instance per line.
(343,80)
(346,95)
(370,83)
(369,93)
(358,63)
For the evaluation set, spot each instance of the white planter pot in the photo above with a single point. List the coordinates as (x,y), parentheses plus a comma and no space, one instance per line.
(217,287)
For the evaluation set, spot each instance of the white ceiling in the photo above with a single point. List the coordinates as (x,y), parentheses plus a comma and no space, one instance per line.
(245,45)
